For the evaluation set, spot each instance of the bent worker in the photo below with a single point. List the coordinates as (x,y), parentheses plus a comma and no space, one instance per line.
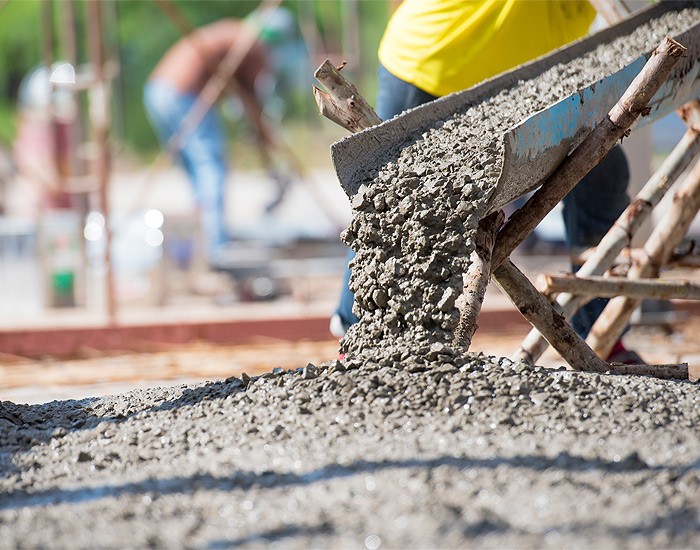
(432,48)
(173,89)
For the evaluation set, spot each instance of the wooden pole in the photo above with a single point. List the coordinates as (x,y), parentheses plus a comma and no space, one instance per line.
(609,287)
(667,372)
(99,117)
(477,279)
(658,249)
(56,195)
(537,309)
(591,151)
(342,103)
(685,260)
(620,234)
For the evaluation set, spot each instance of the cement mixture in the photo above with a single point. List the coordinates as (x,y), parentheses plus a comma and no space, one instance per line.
(405,443)
(415,218)
(457,452)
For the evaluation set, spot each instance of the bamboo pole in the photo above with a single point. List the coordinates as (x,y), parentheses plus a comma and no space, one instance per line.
(667,372)
(477,279)
(591,151)
(99,118)
(609,287)
(658,249)
(540,313)
(341,102)
(620,234)
(613,11)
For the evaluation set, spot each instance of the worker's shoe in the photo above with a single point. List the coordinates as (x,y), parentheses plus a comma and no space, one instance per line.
(337,327)
(623,356)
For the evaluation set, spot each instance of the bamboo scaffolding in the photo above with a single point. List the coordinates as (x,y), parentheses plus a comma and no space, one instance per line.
(609,287)
(620,234)
(658,249)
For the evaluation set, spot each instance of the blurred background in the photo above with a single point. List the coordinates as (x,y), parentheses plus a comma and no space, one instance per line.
(77,158)
(99,228)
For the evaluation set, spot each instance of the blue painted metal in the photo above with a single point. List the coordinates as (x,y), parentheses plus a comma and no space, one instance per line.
(534,148)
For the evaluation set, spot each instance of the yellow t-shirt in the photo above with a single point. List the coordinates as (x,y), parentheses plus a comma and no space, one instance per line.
(443,46)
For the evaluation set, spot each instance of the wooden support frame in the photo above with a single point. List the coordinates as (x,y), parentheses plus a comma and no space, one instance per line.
(620,234)
(540,313)
(571,171)
(658,249)
(592,149)
(609,287)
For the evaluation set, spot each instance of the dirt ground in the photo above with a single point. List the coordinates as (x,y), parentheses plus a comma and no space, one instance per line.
(98,373)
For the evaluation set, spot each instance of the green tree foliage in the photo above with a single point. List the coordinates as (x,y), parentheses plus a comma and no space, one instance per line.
(20,49)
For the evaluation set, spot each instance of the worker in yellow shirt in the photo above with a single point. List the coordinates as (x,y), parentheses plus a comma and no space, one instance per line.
(432,48)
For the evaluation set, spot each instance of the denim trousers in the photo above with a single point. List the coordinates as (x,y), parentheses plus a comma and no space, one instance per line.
(590,209)
(202,155)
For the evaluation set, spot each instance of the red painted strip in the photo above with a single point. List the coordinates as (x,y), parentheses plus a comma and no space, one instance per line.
(64,342)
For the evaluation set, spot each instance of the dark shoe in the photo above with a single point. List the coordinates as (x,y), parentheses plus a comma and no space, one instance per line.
(626,357)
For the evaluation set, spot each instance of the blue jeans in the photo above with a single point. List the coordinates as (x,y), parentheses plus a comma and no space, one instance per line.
(202,154)
(589,210)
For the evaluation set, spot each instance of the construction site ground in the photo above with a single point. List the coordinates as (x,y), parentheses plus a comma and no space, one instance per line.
(292,332)
(346,455)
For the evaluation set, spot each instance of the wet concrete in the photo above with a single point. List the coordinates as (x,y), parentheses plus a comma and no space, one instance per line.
(415,217)
(445,453)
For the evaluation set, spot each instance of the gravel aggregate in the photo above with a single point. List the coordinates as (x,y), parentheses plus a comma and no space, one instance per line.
(451,452)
